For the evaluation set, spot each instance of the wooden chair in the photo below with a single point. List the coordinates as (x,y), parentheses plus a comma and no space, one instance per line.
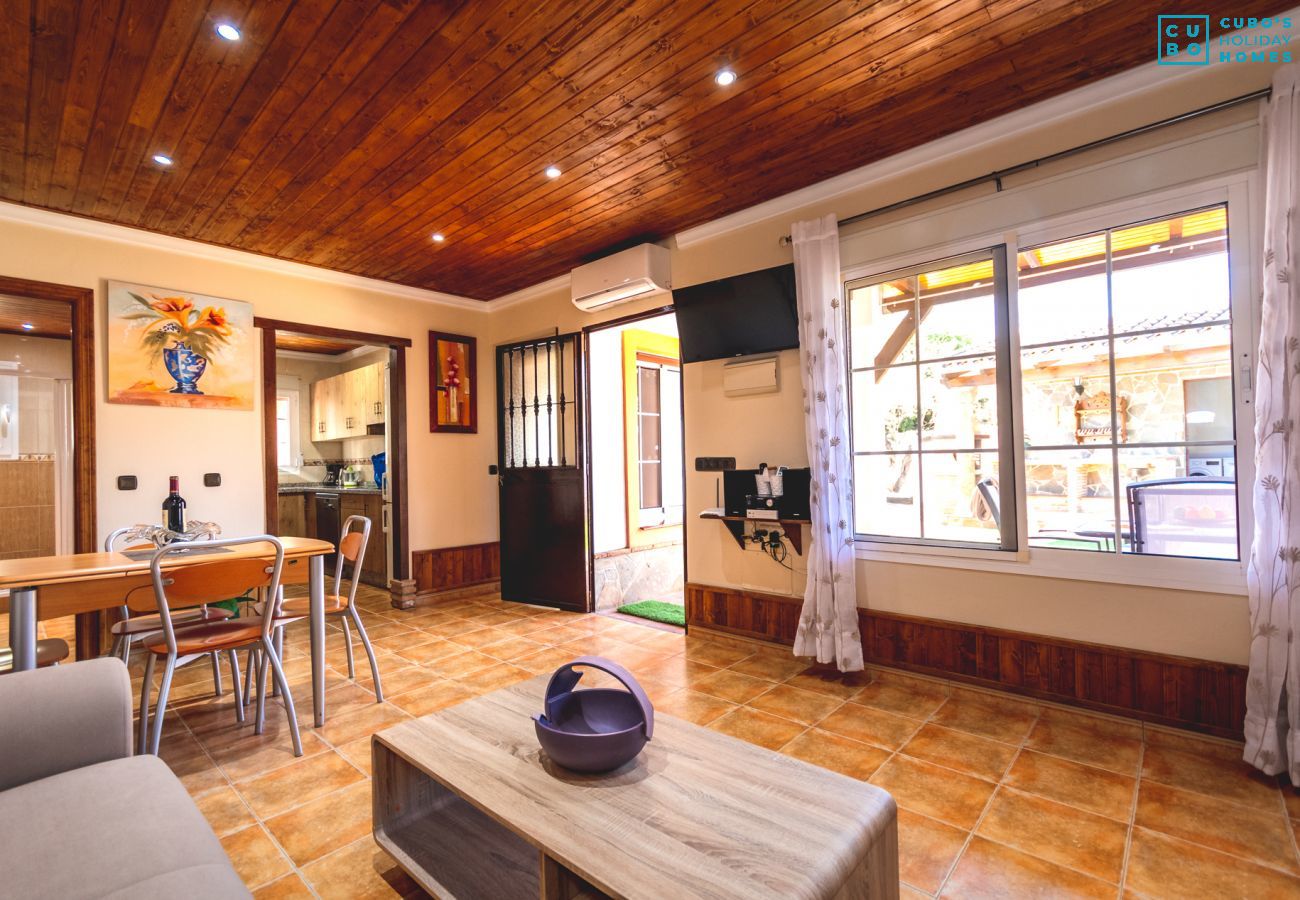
(129,627)
(352,551)
(192,585)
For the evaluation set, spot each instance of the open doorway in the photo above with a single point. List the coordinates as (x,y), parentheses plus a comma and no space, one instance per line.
(637,475)
(335,439)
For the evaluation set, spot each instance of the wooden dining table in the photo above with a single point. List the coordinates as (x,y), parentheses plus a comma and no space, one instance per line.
(51,587)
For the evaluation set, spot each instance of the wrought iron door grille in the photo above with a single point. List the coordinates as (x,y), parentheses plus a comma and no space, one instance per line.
(539,421)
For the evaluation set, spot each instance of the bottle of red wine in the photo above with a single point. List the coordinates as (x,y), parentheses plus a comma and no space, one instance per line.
(173,507)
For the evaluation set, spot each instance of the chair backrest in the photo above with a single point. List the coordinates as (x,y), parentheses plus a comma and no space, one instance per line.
(216,579)
(988,488)
(352,550)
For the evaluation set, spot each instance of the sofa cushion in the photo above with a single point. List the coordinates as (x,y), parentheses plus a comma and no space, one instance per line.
(123,827)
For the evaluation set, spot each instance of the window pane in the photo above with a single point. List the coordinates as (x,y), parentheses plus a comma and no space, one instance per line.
(956,306)
(1070,498)
(885,495)
(884,409)
(883,322)
(1151,374)
(648,389)
(651,487)
(955,508)
(649,437)
(1169,514)
(1171,272)
(1052,390)
(1062,290)
(960,403)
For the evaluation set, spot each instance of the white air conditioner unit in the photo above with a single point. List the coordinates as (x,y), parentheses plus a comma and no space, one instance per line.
(636,272)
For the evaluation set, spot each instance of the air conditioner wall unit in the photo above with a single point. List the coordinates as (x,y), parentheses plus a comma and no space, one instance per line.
(627,275)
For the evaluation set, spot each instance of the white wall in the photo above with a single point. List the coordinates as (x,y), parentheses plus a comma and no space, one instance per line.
(608,440)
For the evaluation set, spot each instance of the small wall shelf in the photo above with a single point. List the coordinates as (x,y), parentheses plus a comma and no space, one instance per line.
(793,528)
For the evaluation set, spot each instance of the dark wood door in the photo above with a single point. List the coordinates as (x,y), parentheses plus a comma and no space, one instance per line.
(544,536)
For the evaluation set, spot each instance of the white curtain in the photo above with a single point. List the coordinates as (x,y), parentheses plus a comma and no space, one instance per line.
(1273,576)
(828,625)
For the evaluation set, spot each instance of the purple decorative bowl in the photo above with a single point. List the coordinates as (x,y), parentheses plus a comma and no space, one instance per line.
(595,730)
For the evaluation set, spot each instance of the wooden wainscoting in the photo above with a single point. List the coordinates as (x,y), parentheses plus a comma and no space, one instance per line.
(1171,690)
(453,568)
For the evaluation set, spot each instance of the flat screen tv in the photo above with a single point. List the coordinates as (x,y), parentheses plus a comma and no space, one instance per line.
(751,313)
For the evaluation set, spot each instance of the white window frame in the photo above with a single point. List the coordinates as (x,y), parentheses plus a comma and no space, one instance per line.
(654,516)
(1240,192)
(294,396)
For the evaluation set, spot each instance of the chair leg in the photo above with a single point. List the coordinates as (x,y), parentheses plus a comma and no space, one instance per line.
(216,673)
(347,641)
(370,651)
(288,701)
(117,648)
(260,719)
(249,676)
(234,678)
(126,648)
(142,744)
(161,708)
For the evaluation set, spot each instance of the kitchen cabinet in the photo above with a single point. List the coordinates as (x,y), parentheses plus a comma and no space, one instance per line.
(293,515)
(342,406)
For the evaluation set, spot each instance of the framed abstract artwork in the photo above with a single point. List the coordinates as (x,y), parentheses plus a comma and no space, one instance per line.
(453,383)
(175,348)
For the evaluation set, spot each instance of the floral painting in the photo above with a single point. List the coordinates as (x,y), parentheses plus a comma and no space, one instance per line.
(453,404)
(173,348)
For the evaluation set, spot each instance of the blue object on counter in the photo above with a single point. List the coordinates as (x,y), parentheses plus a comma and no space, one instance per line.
(380,463)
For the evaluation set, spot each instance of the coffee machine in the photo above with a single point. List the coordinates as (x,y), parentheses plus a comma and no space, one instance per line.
(332,473)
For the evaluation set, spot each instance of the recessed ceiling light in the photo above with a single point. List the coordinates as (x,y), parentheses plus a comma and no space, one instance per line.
(162,160)
(438,238)
(28,326)
(553,172)
(725,77)
(228,31)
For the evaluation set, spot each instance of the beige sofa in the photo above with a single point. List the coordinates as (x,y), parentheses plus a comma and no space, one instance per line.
(80,816)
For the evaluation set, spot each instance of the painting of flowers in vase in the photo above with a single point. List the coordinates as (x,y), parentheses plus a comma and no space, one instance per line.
(173,348)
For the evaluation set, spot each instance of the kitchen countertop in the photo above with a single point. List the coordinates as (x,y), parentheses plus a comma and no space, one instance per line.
(328,489)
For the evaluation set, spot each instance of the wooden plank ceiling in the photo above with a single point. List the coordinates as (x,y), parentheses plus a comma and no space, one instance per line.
(344,133)
(46,318)
(310,343)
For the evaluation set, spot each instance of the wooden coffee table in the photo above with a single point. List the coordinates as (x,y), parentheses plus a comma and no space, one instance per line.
(470,807)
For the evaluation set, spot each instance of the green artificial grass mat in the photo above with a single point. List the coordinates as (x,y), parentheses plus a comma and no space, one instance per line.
(657,611)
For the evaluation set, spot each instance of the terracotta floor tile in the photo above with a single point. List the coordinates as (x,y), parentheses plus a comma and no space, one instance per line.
(1074,784)
(916,702)
(678,670)
(1006,722)
(400,680)
(731,686)
(875,726)
(481,637)
(431,651)
(927,848)
(358,753)
(1292,799)
(796,704)
(375,717)
(323,825)
(1211,775)
(225,810)
(771,666)
(1107,725)
(667,643)
(1229,827)
(494,677)
(828,681)
(1086,746)
(1165,868)
(961,751)
(509,649)
(462,664)
(399,642)
(839,754)
(906,892)
(714,654)
(289,887)
(693,706)
(257,754)
(544,661)
(1060,834)
(993,871)
(757,728)
(297,783)
(255,856)
(934,791)
(436,695)
(359,871)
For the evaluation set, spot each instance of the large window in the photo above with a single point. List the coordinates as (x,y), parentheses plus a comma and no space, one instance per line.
(1120,438)
(659,441)
(931,425)
(1126,387)
(286,429)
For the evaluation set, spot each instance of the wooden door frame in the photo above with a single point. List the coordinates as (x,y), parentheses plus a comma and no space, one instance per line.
(85,515)
(396,421)
(587,331)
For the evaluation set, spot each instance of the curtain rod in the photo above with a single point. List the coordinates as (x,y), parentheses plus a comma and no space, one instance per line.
(997,176)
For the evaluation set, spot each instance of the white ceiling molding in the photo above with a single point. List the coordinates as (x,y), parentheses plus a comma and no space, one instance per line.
(44,218)
(523,295)
(1039,116)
